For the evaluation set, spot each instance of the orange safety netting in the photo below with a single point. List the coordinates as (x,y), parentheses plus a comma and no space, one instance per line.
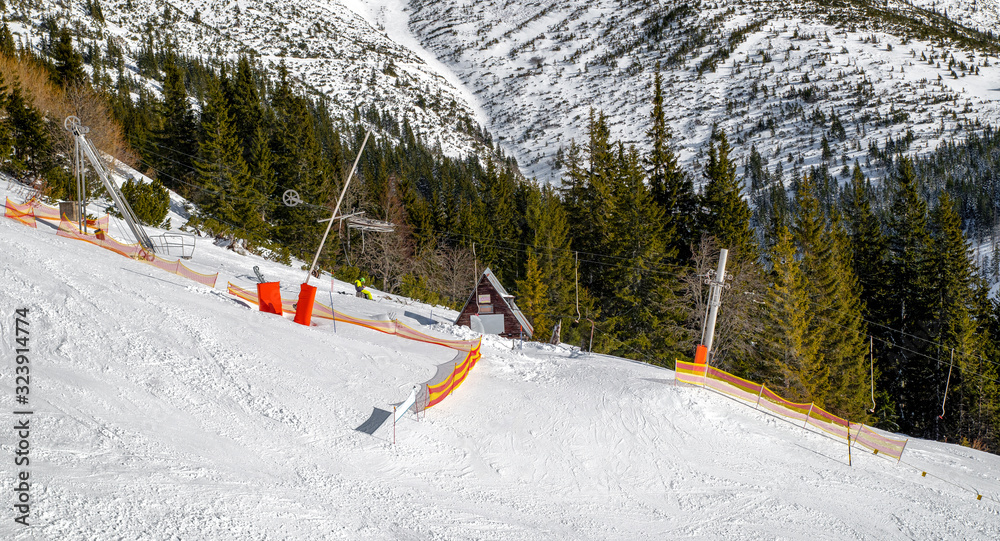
(811,414)
(22,213)
(70,230)
(45,212)
(449,375)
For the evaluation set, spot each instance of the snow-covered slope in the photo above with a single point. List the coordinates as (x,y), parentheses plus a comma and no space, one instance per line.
(165,409)
(773,75)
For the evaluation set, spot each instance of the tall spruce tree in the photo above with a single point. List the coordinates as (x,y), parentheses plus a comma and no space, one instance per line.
(533,298)
(670,186)
(175,139)
(69,63)
(789,344)
(5,138)
(299,165)
(245,104)
(31,151)
(7,46)
(951,309)
(727,214)
(867,245)
(221,169)
(632,234)
(909,371)
(547,232)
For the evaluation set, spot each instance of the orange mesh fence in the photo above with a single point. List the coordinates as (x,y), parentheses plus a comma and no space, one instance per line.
(448,376)
(691,373)
(206,279)
(775,404)
(761,396)
(731,385)
(446,381)
(70,230)
(867,437)
(21,213)
(45,212)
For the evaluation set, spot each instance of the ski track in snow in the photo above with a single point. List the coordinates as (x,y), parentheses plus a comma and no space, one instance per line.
(165,409)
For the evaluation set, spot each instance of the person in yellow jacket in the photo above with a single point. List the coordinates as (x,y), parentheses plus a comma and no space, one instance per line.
(362,291)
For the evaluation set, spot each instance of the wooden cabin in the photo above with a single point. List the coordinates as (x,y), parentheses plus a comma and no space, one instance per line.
(496,309)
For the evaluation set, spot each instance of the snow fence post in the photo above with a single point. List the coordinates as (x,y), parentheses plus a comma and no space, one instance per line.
(849,443)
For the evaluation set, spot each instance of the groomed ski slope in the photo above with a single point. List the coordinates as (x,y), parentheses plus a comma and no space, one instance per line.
(168,410)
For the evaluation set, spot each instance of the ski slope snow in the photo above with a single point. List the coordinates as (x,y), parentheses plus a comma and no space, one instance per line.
(165,409)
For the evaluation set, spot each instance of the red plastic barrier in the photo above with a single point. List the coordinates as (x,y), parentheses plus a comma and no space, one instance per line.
(269,294)
(304,308)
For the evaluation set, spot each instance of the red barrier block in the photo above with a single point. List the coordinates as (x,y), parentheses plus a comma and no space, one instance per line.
(700,354)
(304,308)
(269,295)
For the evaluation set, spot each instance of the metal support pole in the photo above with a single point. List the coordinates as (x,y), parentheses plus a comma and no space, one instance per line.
(81,188)
(337,208)
(714,301)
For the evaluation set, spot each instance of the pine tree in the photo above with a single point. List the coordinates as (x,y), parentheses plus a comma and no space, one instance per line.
(221,169)
(262,172)
(867,245)
(31,151)
(907,372)
(69,63)
(299,165)
(952,306)
(533,298)
(7,46)
(245,106)
(727,214)
(499,195)
(547,232)
(671,188)
(175,140)
(789,342)
(632,234)
(5,137)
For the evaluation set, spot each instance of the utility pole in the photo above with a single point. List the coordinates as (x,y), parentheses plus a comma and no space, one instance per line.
(715,285)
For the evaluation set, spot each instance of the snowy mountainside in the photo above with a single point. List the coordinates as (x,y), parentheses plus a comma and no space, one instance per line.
(329,50)
(164,408)
(775,76)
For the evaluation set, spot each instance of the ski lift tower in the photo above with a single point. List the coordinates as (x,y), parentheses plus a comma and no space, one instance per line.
(85,148)
(170,243)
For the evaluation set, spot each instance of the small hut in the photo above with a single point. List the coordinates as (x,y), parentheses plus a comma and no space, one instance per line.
(496,309)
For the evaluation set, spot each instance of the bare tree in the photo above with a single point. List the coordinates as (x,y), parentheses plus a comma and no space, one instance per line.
(453,273)
(739,319)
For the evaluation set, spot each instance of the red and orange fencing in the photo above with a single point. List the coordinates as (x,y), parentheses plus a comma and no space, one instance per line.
(134,251)
(448,376)
(809,414)
(27,213)
(24,214)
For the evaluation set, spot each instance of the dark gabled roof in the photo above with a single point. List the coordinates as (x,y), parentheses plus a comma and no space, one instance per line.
(508,299)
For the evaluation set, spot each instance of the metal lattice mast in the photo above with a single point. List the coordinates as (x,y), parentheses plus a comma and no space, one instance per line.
(72,124)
